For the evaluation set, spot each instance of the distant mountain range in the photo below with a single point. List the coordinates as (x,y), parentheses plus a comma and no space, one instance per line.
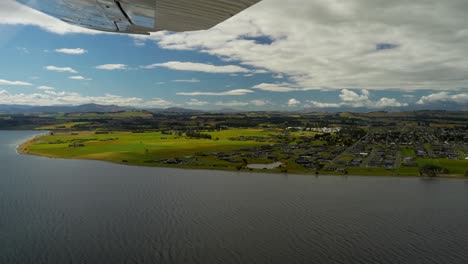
(86,108)
(97,108)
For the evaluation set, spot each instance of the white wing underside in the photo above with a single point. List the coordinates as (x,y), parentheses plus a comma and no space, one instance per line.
(142,16)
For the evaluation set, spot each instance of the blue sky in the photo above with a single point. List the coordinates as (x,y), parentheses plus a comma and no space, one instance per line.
(248,62)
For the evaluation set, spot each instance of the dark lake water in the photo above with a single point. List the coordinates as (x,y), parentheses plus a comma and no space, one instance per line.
(69,211)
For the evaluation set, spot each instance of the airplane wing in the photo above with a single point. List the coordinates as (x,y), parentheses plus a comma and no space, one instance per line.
(141,16)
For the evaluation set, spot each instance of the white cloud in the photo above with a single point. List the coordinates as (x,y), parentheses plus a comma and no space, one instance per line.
(344,44)
(293,102)
(280,87)
(351,96)
(352,99)
(278,76)
(198,67)
(260,71)
(45,88)
(231,92)
(112,67)
(316,104)
(195,102)
(139,42)
(333,44)
(258,102)
(462,97)
(159,102)
(50,97)
(61,69)
(14,83)
(389,102)
(77,51)
(231,103)
(193,80)
(79,78)
(444,96)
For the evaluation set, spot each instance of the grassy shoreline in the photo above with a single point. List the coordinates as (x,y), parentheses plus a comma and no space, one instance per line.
(41,145)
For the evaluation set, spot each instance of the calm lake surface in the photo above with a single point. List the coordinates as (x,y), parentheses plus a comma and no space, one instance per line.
(70,211)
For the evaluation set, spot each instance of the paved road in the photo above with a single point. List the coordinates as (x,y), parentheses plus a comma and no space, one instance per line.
(348,150)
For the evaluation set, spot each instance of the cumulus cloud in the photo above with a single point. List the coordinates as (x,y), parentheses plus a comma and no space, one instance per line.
(61,69)
(443,96)
(353,99)
(389,102)
(351,96)
(14,83)
(112,67)
(231,92)
(343,44)
(198,67)
(293,102)
(79,78)
(77,51)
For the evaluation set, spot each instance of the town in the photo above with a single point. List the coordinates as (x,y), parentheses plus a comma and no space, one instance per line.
(396,151)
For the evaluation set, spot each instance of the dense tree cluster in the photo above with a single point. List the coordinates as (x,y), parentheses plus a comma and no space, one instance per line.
(198,135)
(432,170)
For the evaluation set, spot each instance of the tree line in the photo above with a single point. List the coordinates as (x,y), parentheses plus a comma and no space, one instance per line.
(198,135)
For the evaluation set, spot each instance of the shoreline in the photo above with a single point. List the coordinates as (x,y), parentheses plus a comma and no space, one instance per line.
(21,147)
(22,150)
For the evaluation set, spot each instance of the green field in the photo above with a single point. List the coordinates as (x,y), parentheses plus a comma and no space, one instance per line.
(117,115)
(407,152)
(139,148)
(67,125)
(453,166)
